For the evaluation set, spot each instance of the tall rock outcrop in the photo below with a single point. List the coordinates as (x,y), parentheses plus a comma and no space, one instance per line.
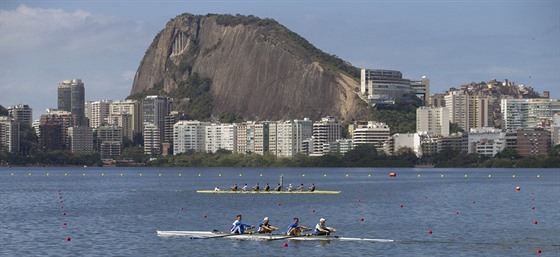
(259,69)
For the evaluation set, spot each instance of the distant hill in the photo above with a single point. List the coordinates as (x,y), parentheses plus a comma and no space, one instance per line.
(253,68)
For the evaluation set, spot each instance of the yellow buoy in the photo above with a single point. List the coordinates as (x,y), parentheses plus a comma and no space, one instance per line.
(83,174)
(28,174)
(65,174)
(47,174)
(180,174)
(303,175)
(160,174)
(347,174)
(219,175)
(102,174)
(466,175)
(441,175)
(538,176)
(260,174)
(140,174)
(418,175)
(369,175)
(199,174)
(489,176)
(324,175)
(513,176)
(122,174)
(240,174)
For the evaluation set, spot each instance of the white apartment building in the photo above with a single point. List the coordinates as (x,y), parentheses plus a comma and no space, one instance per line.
(372,132)
(261,138)
(410,141)
(81,139)
(9,134)
(189,135)
(290,136)
(97,112)
(126,114)
(325,131)
(527,113)
(457,104)
(432,120)
(154,110)
(221,136)
(483,140)
(152,143)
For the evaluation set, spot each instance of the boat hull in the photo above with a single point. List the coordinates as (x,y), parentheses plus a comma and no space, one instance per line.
(324,192)
(265,237)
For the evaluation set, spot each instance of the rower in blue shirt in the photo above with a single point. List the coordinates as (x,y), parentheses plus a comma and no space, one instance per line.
(295,229)
(238,227)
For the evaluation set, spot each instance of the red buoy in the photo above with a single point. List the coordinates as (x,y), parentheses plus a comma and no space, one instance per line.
(430,231)
(518,188)
(532,208)
(362,219)
(64,224)
(313,210)
(205,216)
(402,205)
(285,244)
(68,238)
(535,222)
(539,251)
(392,174)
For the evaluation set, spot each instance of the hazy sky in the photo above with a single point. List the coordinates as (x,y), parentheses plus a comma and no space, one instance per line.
(450,42)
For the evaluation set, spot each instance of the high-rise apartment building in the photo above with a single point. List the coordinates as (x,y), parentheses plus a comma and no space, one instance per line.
(189,135)
(290,136)
(527,113)
(432,120)
(9,134)
(21,113)
(109,139)
(127,115)
(81,139)
(97,112)
(63,118)
(154,110)
(326,131)
(221,136)
(71,98)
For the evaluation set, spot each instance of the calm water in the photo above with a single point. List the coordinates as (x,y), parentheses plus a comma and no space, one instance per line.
(116,211)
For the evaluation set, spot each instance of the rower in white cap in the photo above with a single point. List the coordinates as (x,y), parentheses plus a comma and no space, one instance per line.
(264,227)
(322,229)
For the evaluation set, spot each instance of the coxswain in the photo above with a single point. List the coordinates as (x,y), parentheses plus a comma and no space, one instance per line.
(265,227)
(312,187)
(238,226)
(322,229)
(295,229)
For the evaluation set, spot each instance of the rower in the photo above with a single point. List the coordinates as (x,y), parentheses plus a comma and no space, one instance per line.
(234,187)
(312,187)
(289,188)
(322,229)
(217,188)
(256,187)
(266,187)
(238,226)
(300,187)
(295,229)
(278,187)
(244,188)
(265,227)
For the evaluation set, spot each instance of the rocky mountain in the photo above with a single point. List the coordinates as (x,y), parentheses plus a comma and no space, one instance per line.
(258,69)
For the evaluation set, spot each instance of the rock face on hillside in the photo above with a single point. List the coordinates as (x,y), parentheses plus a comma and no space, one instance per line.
(260,70)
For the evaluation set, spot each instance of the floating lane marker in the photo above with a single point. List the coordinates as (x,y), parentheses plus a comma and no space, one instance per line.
(160,174)
(200,175)
(180,174)
(441,175)
(369,175)
(347,175)
(47,174)
(513,176)
(29,174)
(12,173)
(466,175)
(324,175)
(140,174)
(83,174)
(122,174)
(65,174)
(303,175)
(102,174)
(490,176)
(219,175)
(260,174)
(240,174)
(538,176)
(418,175)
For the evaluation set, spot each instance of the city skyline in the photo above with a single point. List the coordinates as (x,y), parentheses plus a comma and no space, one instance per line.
(452,43)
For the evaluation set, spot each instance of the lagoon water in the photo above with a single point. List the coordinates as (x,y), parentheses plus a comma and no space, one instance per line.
(116,211)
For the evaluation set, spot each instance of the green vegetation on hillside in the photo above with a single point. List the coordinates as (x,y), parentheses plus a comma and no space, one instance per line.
(401,116)
(193,98)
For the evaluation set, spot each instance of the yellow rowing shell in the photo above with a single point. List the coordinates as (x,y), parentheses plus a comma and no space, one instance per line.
(323,192)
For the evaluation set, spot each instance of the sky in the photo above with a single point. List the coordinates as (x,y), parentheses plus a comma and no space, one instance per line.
(452,42)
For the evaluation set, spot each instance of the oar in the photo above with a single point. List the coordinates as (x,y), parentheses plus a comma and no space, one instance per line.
(220,236)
